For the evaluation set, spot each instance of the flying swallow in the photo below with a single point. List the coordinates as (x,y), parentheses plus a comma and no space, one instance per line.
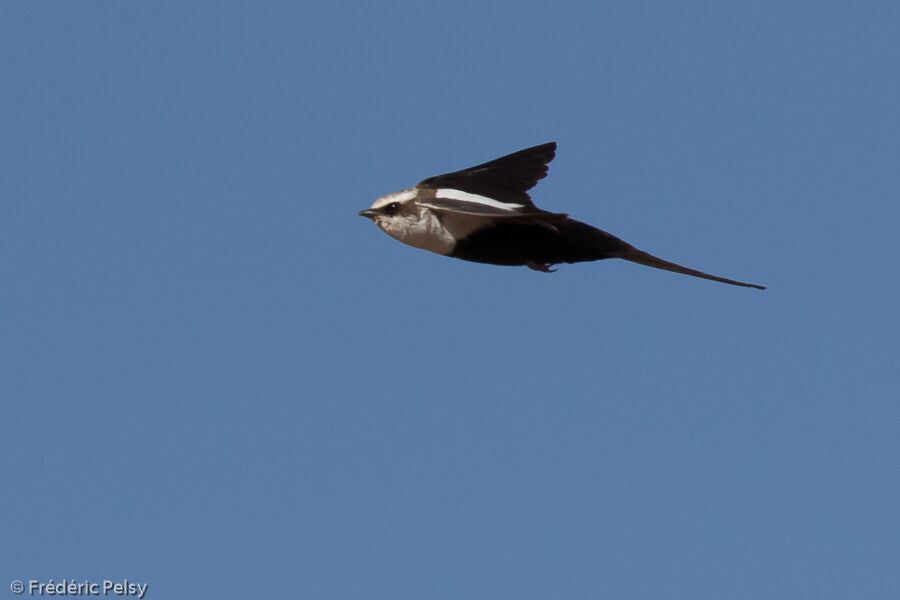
(484,214)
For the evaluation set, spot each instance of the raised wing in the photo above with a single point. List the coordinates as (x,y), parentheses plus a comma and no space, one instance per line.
(506,179)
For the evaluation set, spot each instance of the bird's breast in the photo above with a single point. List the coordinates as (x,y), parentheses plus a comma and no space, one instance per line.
(422,229)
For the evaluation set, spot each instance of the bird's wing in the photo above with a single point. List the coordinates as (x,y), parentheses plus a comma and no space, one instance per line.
(495,210)
(506,179)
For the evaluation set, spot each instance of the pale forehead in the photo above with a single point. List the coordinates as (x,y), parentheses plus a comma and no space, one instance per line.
(401,196)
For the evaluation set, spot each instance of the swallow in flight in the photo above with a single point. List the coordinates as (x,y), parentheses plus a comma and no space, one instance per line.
(484,214)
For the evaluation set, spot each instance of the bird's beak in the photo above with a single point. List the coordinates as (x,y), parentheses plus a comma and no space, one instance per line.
(369,213)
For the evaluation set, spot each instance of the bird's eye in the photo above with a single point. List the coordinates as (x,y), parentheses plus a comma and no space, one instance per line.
(392,208)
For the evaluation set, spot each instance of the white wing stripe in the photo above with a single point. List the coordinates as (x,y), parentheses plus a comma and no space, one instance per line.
(451,194)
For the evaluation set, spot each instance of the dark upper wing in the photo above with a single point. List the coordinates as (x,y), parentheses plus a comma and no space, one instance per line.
(506,179)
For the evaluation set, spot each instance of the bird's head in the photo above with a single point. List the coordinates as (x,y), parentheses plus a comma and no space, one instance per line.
(395,213)
(402,218)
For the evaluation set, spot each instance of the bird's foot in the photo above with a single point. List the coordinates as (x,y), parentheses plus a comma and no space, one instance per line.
(539,266)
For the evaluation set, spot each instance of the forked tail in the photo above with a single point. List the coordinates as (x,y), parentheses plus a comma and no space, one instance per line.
(639,256)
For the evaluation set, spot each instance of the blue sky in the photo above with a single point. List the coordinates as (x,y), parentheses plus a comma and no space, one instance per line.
(218,380)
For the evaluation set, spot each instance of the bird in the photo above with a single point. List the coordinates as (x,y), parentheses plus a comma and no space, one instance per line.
(484,214)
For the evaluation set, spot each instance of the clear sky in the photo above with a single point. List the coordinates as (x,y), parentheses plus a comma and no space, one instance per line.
(218,380)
